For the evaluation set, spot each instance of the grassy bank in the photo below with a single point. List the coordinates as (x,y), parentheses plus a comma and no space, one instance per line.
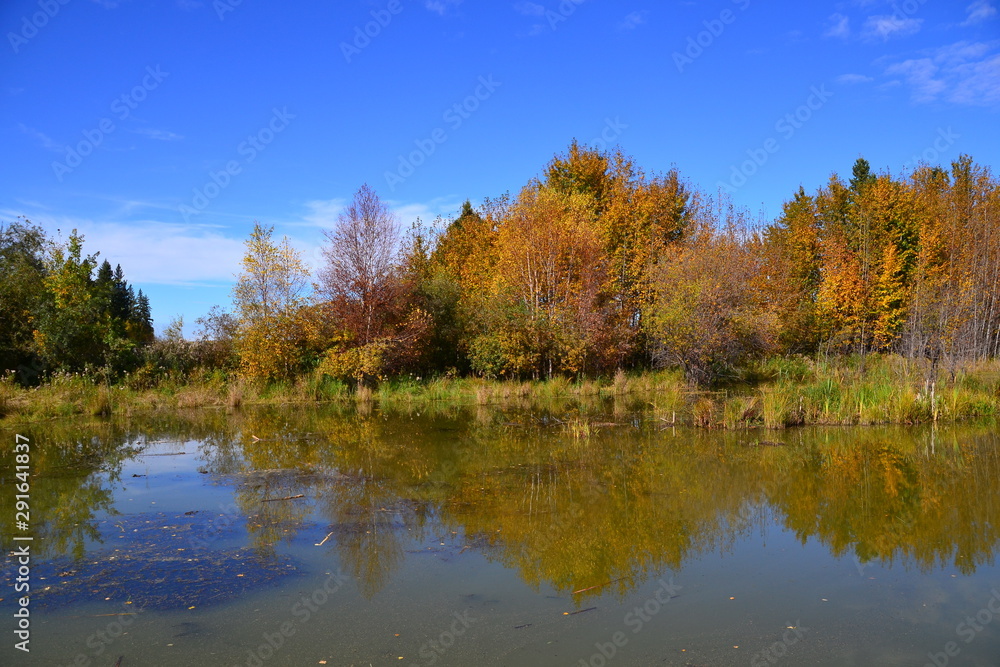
(872,390)
(775,393)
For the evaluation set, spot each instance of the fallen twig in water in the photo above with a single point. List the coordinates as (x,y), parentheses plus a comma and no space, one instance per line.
(579,611)
(271,500)
(590,588)
(325,539)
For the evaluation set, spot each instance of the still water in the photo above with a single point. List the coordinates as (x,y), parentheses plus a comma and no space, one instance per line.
(486,537)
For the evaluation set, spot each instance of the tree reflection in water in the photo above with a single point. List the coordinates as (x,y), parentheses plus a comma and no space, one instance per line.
(601,513)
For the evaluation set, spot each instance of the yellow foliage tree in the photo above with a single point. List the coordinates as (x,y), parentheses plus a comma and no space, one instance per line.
(274,322)
(541,313)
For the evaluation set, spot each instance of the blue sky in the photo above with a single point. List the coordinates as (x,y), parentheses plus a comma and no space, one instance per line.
(162,129)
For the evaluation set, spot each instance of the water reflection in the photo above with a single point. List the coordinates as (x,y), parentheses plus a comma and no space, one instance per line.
(584,515)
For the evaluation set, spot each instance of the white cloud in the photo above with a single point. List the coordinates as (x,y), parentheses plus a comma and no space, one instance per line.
(153,252)
(978,84)
(323,213)
(963,73)
(853,79)
(979,11)
(446,207)
(840,27)
(921,74)
(633,20)
(885,27)
(961,52)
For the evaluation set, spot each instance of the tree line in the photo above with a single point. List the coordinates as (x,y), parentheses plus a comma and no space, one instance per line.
(593,266)
(597,265)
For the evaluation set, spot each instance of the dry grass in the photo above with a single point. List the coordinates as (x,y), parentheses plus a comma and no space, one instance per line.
(703,412)
(878,389)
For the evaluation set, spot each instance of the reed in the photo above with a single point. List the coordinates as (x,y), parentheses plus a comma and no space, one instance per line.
(783,392)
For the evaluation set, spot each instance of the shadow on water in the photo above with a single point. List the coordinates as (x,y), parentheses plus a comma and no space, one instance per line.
(584,511)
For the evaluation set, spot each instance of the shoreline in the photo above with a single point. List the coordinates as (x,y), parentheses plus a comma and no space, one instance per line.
(774,393)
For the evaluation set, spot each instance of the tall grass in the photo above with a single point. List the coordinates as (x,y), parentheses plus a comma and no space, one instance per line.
(742,411)
(776,393)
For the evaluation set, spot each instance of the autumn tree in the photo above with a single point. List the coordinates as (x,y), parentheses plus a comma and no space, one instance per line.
(269,297)
(542,312)
(584,171)
(459,265)
(955,307)
(792,253)
(644,216)
(638,216)
(974,208)
(369,294)
(711,311)
(217,334)
(360,276)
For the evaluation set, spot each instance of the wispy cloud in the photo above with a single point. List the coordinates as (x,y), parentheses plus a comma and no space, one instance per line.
(979,83)
(122,207)
(43,139)
(884,28)
(441,7)
(32,204)
(159,135)
(839,26)
(155,252)
(529,9)
(921,74)
(964,73)
(851,79)
(407,213)
(633,20)
(323,213)
(979,11)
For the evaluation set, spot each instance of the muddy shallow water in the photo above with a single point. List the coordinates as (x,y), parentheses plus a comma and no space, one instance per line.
(472,537)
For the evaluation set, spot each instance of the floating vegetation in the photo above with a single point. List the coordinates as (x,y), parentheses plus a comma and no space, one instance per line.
(159,561)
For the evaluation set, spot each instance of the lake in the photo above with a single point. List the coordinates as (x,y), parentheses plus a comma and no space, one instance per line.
(518,536)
